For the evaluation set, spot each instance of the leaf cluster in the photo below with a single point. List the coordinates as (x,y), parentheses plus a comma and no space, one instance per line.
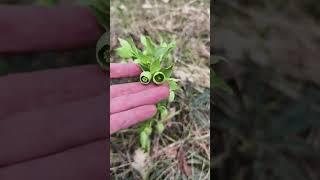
(156,63)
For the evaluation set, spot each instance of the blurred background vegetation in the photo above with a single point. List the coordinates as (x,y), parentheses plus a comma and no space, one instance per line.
(268,126)
(26,62)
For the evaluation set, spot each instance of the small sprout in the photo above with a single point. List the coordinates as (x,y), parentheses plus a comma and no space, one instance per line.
(160,127)
(171,96)
(173,85)
(158,78)
(145,141)
(145,77)
(148,131)
(163,112)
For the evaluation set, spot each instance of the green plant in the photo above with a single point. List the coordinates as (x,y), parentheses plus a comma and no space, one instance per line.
(156,64)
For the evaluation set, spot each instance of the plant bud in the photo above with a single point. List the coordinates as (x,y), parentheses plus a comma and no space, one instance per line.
(144,141)
(145,77)
(148,130)
(163,112)
(171,96)
(160,127)
(158,78)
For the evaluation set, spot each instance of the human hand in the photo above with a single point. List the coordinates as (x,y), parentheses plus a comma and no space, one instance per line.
(131,103)
(49,119)
(53,124)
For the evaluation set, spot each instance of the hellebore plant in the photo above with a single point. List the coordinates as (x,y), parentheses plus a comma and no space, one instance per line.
(156,64)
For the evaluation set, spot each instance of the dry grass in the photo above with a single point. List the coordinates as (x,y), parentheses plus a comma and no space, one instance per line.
(182,151)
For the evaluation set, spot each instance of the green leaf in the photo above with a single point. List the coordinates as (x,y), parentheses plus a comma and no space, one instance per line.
(160,127)
(125,51)
(137,61)
(171,96)
(167,71)
(145,124)
(143,40)
(155,66)
(148,44)
(162,103)
(134,48)
(144,67)
(174,79)
(163,44)
(143,59)
(173,85)
(145,141)
(163,112)
(125,44)
(148,130)
(159,52)
(162,52)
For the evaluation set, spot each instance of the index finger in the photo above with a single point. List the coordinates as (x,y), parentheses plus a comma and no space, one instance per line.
(25,91)
(118,70)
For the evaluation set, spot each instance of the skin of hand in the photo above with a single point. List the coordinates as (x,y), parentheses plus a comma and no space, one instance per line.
(53,121)
(131,103)
(53,124)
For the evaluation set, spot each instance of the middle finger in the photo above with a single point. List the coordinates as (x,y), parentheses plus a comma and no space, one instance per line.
(146,97)
(128,88)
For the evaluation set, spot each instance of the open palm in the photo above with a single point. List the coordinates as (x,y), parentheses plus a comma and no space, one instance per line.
(132,102)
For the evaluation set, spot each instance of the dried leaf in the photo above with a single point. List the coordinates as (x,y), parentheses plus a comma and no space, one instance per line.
(171,152)
(140,162)
(183,163)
